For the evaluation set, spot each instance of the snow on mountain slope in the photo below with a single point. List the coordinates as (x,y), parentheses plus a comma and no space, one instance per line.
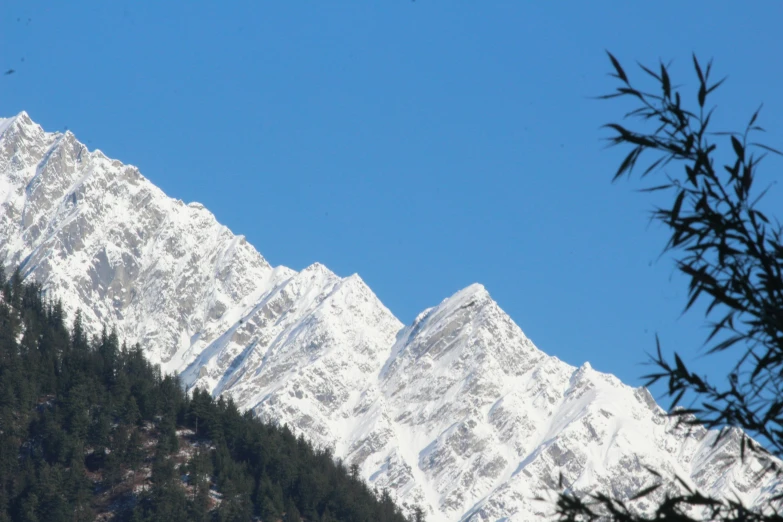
(458,412)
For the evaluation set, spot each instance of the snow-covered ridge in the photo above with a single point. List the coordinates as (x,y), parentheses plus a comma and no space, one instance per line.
(458,412)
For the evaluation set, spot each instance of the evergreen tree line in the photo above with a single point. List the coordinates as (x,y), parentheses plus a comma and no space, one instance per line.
(90,426)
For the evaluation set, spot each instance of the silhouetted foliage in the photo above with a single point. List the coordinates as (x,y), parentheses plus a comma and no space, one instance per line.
(731,253)
(89,426)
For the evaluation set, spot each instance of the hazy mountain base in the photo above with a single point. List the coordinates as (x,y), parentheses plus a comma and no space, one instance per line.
(459,412)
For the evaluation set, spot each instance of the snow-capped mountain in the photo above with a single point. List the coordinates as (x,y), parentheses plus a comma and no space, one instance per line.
(459,412)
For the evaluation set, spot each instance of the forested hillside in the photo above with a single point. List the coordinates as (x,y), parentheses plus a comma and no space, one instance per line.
(90,430)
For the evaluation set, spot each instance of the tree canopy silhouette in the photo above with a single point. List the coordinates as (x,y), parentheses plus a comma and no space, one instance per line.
(730,252)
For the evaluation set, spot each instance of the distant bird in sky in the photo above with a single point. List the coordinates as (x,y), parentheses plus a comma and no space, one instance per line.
(9,71)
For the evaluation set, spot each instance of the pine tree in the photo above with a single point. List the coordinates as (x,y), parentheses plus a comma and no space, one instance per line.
(112,471)
(29,508)
(134,451)
(292,513)
(131,414)
(99,430)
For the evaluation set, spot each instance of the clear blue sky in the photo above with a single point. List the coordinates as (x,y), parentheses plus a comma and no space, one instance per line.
(425,145)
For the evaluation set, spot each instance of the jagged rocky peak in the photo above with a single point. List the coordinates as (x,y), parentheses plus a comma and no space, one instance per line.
(18,124)
(458,412)
(468,326)
(156,270)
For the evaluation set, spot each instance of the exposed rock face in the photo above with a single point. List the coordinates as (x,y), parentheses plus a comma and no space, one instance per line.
(458,412)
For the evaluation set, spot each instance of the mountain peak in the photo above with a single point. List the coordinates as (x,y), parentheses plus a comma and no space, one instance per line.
(458,412)
(474,296)
(470,291)
(19,122)
(22,119)
(317,268)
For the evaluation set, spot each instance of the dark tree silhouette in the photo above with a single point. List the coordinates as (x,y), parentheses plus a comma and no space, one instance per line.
(731,254)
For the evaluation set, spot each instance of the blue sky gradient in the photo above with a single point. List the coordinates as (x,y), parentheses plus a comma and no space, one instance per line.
(425,145)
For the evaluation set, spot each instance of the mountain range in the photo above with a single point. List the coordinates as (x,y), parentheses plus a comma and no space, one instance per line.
(458,412)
